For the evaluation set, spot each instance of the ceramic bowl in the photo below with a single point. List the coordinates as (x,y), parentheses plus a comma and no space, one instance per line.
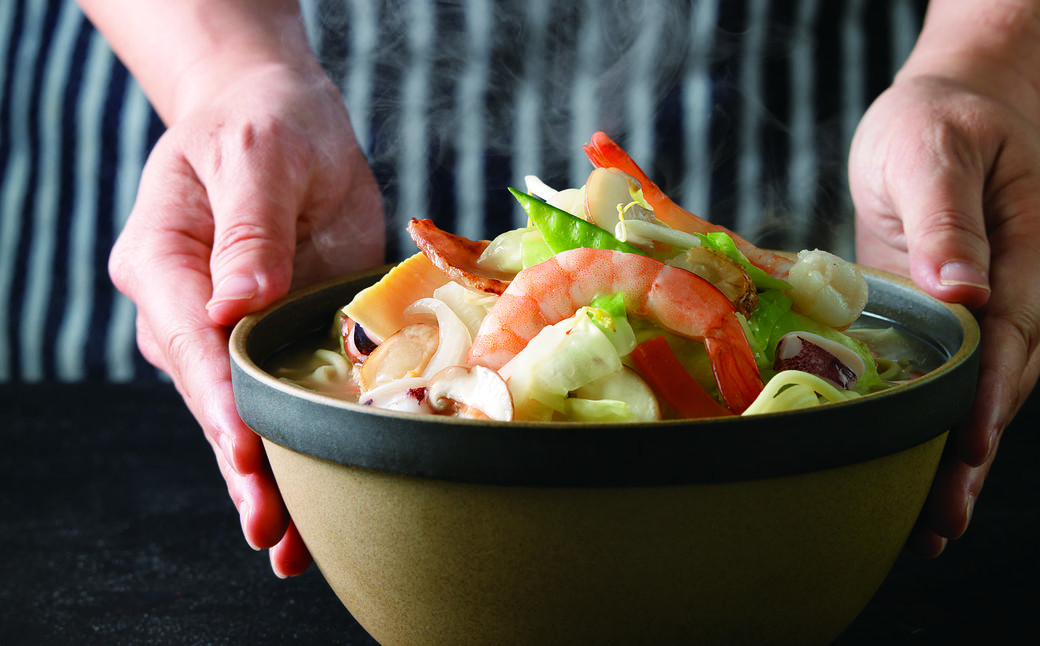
(769,529)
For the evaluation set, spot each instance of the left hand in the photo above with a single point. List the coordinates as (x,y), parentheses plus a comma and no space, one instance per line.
(945,177)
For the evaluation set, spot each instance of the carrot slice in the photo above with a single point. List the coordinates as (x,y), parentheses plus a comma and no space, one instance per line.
(659,367)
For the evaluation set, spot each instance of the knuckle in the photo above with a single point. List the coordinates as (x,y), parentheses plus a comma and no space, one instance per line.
(180,347)
(947,221)
(244,236)
(123,264)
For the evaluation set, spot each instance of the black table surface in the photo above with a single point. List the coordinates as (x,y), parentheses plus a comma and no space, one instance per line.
(115,528)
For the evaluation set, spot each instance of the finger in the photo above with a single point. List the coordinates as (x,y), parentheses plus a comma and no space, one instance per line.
(956,489)
(254,190)
(261,511)
(161,262)
(924,542)
(290,556)
(148,346)
(883,250)
(938,191)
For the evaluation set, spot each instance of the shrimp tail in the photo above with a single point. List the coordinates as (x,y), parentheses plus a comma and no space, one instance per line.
(603,152)
(735,373)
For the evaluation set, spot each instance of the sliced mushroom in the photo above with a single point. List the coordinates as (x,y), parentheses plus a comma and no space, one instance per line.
(405,353)
(728,277)
(476,393)
(456,256)
(820,356)
(407,395)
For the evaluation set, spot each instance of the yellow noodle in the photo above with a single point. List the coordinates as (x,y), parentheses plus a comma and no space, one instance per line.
(794,389)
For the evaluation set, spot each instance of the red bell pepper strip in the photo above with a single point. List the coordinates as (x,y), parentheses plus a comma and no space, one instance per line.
(661,369)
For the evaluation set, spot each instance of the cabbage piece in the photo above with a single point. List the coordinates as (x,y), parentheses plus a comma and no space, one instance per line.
(621,396)
(468,304)
(504,254)
(560,359)
(533,248)
(609,314)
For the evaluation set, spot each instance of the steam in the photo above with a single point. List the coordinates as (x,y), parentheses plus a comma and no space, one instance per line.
(453,100)
(456,84)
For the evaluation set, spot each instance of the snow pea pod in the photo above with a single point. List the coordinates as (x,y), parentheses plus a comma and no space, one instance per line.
(563,231)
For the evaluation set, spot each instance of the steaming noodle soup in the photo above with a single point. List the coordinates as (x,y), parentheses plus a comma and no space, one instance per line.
(612,305)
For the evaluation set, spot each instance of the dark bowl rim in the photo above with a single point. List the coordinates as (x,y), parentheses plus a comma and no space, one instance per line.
(599,454)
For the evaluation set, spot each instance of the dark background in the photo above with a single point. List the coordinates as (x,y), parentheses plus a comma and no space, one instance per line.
(116,528)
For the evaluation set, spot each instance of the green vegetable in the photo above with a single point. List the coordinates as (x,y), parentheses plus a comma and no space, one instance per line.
(561,358)
(722,243)
(563,231)
(533,249)
(609,315)
(773,318)
(505,252)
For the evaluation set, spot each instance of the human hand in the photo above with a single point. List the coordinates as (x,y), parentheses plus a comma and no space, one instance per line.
(257,187)
(945,176)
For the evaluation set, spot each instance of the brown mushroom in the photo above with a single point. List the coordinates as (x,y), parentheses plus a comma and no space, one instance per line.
(728,277)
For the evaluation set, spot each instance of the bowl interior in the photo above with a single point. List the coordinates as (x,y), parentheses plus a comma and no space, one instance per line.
(575,454)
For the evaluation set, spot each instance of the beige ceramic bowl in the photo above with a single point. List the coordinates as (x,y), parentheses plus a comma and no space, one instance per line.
(773,529)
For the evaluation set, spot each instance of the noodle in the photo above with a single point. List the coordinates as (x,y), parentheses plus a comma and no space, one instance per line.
(794,389)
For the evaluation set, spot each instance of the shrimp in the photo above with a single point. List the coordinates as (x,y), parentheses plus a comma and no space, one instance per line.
(604,153)
(456,256)
(673,298)
(721,272)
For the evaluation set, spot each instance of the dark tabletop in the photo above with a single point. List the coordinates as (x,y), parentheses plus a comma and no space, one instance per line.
(115,528)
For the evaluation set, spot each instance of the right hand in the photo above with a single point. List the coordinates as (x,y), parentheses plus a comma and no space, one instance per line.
(259,186)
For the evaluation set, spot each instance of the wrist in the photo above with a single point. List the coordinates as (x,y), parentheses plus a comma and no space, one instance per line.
(230,57)
(990,48)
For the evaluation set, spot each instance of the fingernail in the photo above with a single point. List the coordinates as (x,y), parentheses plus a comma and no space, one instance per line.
(234,288)
(243,516)
(993,435)
(277,571)
(969,509)
(962,274)
(943,541)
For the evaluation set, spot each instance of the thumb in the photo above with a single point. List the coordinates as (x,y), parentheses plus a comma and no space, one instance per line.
(948,252)
(254,242)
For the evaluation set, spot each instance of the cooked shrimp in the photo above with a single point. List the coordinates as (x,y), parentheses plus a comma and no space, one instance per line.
(673,298)
(827,288)
(721,272)
(604,153)
(456,256)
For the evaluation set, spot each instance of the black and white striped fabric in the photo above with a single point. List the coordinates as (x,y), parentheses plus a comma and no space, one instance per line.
(742,110)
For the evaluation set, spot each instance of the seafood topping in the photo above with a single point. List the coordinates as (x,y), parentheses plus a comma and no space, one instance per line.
(820,356)
(611,304)
(456,256)
(405,354)
(357,345)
